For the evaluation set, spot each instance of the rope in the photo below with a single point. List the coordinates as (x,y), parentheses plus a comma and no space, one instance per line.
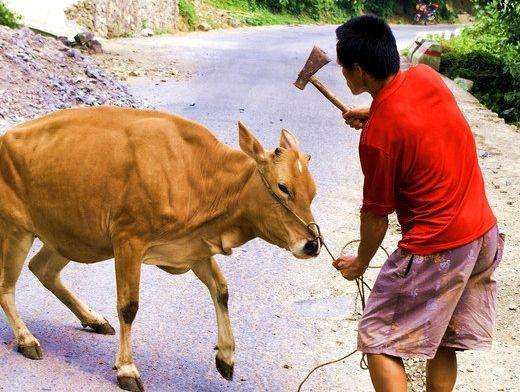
(323,365)
(361,285)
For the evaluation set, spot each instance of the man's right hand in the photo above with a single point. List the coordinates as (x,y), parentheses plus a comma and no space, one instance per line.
(350,267)
(357,117)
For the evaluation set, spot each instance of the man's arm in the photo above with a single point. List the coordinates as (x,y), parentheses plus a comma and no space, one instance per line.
(379,166)
(373,230)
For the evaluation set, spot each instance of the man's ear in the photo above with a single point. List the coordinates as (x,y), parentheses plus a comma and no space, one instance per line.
(250,145)
(360,72)
(289,141)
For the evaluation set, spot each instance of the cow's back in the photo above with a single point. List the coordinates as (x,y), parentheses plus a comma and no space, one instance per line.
(69,176)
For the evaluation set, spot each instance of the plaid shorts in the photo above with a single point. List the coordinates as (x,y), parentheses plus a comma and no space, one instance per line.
(420,303)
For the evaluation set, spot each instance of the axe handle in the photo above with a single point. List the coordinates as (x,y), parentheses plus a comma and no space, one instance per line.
(329,95)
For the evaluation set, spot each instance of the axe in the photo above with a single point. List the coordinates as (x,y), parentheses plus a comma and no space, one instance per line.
(317,60)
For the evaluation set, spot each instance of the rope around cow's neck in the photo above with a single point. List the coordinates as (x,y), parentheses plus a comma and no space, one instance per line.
(315,230)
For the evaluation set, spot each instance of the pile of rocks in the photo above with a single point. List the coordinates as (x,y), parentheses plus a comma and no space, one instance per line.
(41,74)
(85,41)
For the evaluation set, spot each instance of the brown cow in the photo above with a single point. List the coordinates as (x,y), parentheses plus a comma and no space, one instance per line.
(143,187)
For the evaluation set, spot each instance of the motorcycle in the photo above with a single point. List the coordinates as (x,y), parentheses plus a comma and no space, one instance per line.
(425,12)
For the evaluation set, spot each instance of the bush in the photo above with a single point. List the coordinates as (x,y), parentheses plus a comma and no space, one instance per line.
(188,12)
(385,9)
(333,10)
(495,86)
(313,8)
(8,18)
(352,7)
(318,8)
(390,8)
(489,54)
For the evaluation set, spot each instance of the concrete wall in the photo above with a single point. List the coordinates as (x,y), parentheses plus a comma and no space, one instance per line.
(45,15)
(116,18)
(107,18)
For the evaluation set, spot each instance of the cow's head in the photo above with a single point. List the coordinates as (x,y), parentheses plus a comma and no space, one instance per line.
(287,174)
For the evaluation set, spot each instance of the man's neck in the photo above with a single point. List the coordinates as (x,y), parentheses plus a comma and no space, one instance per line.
(375,85)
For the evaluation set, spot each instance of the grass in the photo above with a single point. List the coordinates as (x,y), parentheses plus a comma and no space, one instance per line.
(249,12)
(188,13)
(252,14)
(7,17)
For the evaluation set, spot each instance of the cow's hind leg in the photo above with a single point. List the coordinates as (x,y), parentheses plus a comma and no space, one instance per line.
(209,273)
(47,265)
(15,244)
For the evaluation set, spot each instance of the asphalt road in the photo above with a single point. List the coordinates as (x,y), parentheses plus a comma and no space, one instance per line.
(288,315)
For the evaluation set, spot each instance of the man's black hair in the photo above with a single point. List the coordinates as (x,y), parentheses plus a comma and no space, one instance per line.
(368,41)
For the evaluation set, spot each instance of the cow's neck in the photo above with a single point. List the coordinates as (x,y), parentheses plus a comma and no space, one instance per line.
(229,226)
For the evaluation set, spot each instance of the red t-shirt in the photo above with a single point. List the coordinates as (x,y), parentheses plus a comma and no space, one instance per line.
(419,159)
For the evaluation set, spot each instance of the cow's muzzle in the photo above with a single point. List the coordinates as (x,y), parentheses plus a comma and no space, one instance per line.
(312,248)
(306,249)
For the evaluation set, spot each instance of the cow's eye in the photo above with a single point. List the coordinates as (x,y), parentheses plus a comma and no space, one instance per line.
(283,188)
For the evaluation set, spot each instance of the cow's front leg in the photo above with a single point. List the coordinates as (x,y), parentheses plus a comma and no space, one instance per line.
(128,256)
(209,273)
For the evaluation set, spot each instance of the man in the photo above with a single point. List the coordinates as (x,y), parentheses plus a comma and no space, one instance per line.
(435,295)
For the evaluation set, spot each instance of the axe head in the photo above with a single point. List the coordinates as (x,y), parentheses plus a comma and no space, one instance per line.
(316,61)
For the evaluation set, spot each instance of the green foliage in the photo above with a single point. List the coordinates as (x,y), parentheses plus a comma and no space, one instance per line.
(489,54)
(188,12)
(382,8)
(235,4)
(332,11)
(7,17)
(444,13)
(500,12)
(266,12)
(316,9)
(328,10)
(391,8)
(352,7)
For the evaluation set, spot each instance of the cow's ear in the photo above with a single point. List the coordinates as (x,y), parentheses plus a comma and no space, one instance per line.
(250,145)
(288,140)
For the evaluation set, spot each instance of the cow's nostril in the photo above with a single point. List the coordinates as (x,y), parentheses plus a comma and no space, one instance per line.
(311,247)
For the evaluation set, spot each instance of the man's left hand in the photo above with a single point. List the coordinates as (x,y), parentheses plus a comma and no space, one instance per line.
(350,267)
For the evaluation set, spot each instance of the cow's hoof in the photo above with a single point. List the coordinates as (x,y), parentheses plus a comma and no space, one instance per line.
(104,328)
(130,383)
(224,369)
(31,352)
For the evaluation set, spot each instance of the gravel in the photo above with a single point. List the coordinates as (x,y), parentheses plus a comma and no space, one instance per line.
(43,75)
